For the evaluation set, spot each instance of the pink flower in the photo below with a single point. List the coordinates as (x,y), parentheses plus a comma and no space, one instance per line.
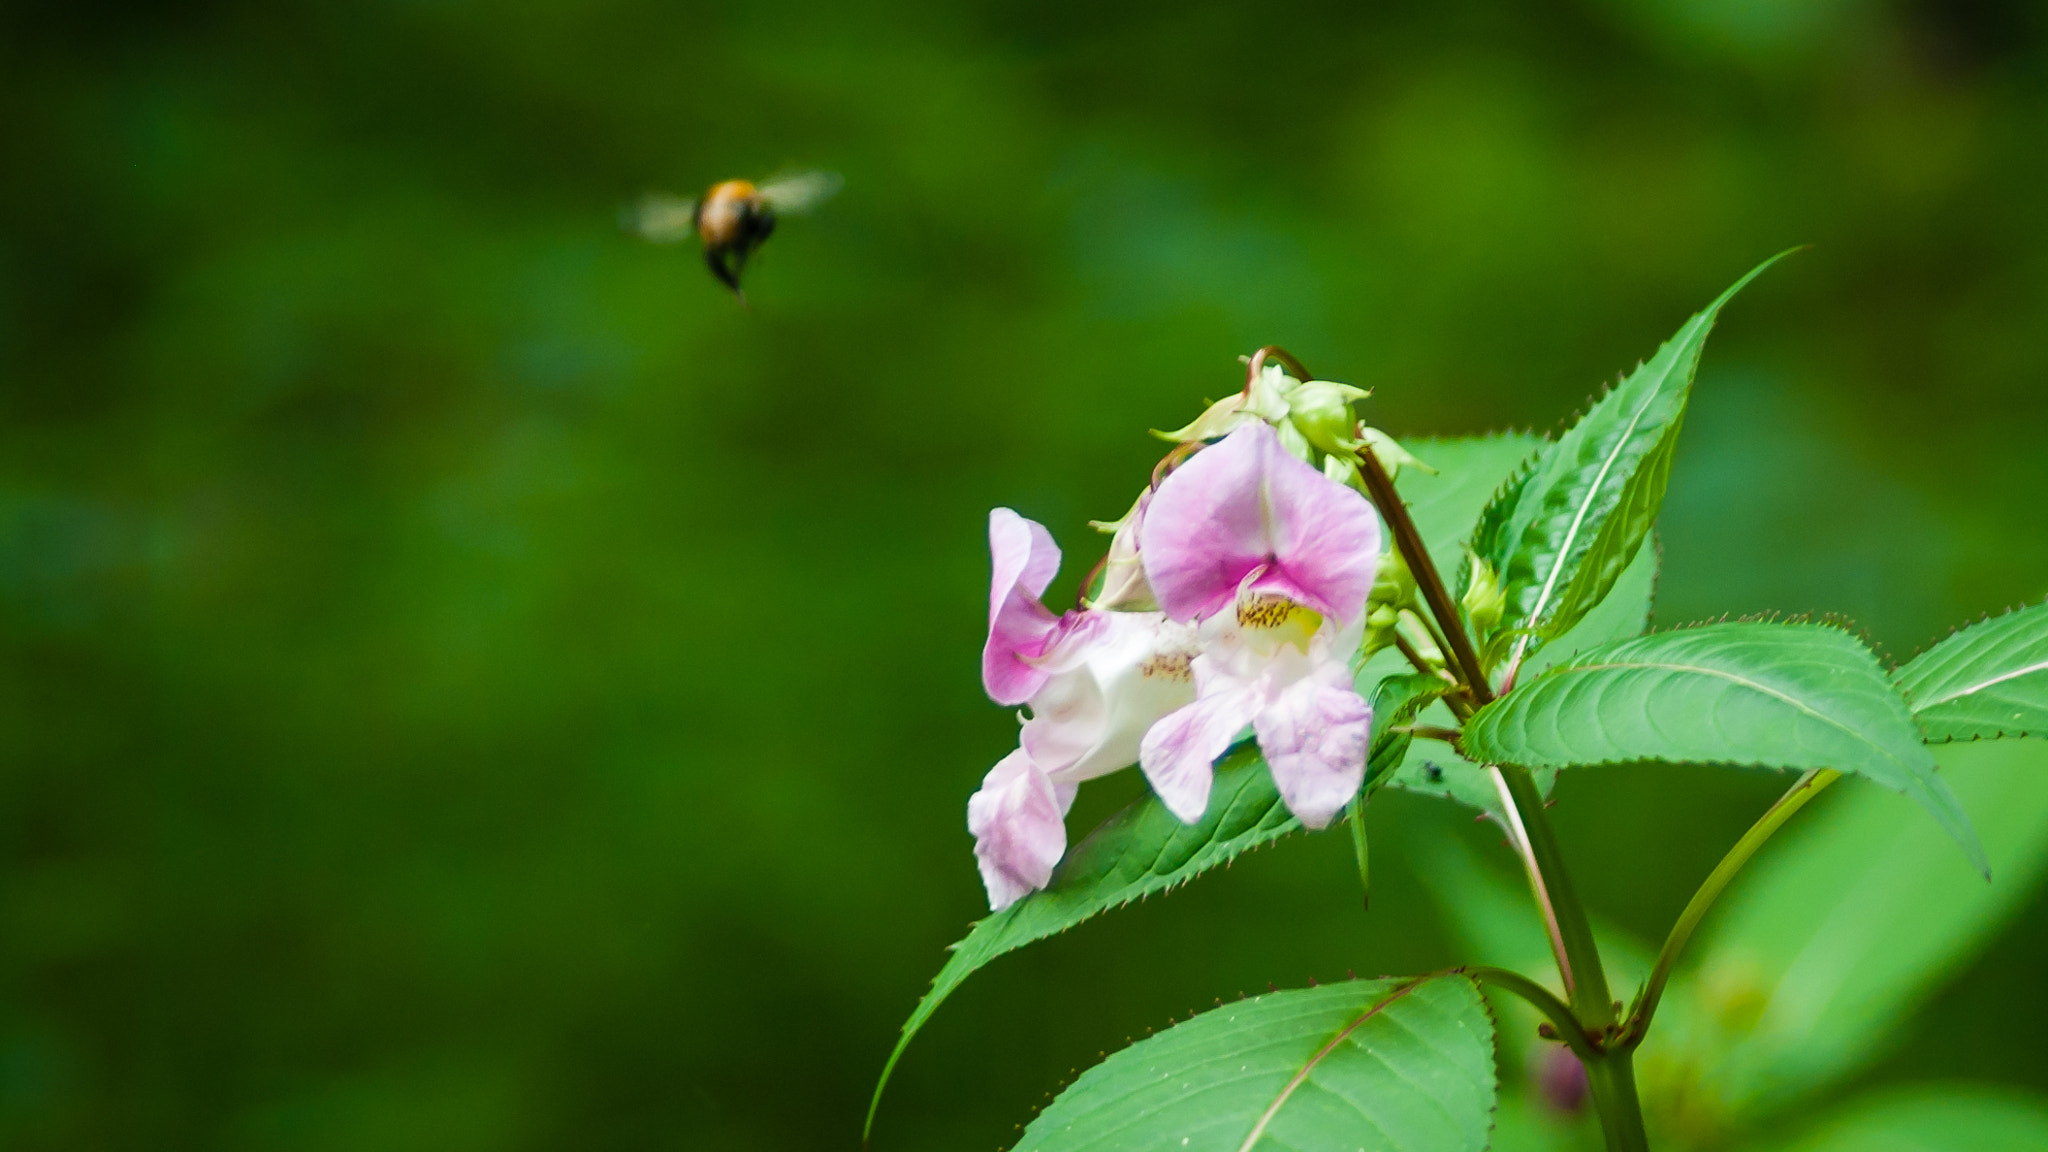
(1025,640)
(1096,681)
(1018,820)
(1248,506)
(1246,526)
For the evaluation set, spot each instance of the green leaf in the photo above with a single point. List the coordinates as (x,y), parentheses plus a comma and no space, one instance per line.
(1769,695)
(1140,850)
(1394,1065)
(1395,703)
(1945,1119)
(1567,532)
(1986,681)
(1855,915)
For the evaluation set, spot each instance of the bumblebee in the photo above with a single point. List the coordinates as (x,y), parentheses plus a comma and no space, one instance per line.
(732,219)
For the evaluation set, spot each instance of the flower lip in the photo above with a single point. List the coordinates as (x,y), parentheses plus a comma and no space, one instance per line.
(1245,504)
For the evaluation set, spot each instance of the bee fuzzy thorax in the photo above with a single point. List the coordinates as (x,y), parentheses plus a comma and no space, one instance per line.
(722,214)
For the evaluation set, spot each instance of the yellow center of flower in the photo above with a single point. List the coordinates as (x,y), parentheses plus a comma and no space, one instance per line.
(1285,621)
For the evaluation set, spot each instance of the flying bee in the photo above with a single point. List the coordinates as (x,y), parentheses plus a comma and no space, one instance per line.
(732,219)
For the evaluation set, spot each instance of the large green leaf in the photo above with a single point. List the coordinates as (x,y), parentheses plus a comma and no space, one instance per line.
(1988,680)
(1854,916)
(1566,532)
(1393,1065)
(1945,1119)
(1748,693)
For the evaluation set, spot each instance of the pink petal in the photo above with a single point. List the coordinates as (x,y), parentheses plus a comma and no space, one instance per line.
(1246,503)
(1018,824)
(1315,735)
(1178,754)
(1019,626)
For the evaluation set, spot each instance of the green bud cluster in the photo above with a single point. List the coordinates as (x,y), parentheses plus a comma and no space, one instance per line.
(1314,420)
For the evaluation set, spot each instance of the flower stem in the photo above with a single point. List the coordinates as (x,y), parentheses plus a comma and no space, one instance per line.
(1807,787)
(1409,540)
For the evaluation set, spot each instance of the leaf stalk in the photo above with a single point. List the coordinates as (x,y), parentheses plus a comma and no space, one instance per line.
(1767,825)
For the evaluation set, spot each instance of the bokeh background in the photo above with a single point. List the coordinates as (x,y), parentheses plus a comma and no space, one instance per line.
(468,685)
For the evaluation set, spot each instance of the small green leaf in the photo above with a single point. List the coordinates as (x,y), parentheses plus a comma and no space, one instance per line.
(1563,535)
(1945,1119)
(1986,681)
(1395,703)
(1854,916)
(1769,695)
(1393,1065)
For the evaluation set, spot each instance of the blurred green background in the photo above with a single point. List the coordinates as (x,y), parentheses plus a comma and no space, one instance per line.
(468,685)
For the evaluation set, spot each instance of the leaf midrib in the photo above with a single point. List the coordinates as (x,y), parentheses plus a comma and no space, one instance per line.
(1273,1109)
(1973,689)
(1579,521)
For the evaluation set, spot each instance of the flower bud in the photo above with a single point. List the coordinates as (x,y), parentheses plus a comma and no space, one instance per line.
(1218,420)
(1321,410)
(1270,393)
(1411,628)
(1484,599)
(1379,629)
(1393,588)
(1123,576)
(1392,456)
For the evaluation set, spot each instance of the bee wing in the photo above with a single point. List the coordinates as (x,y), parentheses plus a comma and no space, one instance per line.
(800,191)
(660,218)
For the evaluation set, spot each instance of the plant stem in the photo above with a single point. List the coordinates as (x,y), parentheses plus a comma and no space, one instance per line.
(1585,979)
(1409,541)
(1612,1079)
(1807,787)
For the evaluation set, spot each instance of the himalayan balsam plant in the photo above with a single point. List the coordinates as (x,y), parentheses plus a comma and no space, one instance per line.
(1273,630)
